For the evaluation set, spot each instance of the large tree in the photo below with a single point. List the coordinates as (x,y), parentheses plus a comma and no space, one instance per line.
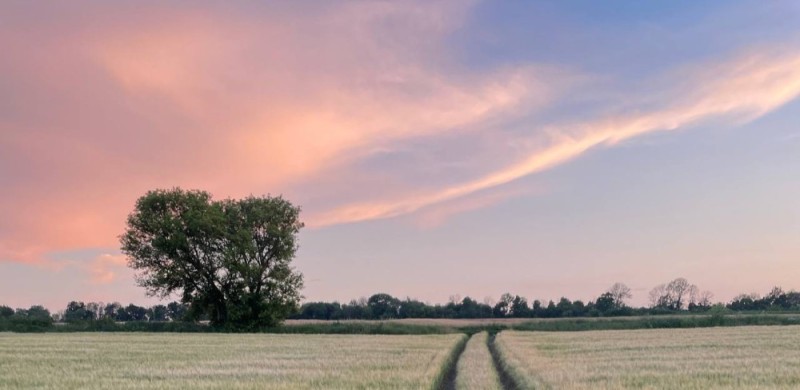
(229,259)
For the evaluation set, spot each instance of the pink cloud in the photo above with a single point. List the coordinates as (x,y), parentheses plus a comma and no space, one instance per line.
(117,101)
(106,267)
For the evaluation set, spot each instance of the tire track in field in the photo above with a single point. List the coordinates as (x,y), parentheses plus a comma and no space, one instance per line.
(449,381)
(506,380)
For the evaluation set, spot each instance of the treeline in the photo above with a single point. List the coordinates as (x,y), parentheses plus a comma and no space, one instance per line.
(90,316)
(677,296)
(776,299)
(385,306)
(97,311)
(35,318)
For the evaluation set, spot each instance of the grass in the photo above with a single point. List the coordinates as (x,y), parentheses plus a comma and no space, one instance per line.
(494,325)
(372,327)
(427,325)
(658,322)
(475,369)
(216,361)
(740,357)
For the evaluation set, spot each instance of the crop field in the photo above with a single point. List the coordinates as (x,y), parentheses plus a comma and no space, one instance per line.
(475,369)
(701,358)
(222,361)
(741,357)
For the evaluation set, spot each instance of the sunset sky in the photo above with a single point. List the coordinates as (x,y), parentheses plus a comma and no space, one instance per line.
(437,148)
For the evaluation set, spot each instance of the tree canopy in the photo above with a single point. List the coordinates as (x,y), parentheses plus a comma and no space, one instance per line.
(228,259)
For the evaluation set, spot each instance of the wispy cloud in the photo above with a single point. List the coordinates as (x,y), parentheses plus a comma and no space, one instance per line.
(739,90)
(438,214)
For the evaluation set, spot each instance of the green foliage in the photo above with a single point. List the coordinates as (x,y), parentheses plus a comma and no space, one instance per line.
(157,313)
(108,325)
(34,319)
(229,260)
(362,327)
(384,306)
(77,311)
(656,322)
(6,312)
(605,303)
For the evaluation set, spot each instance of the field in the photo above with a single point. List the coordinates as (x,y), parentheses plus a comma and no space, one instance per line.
(475,369)
(739,357)
(699,358)
(229,361)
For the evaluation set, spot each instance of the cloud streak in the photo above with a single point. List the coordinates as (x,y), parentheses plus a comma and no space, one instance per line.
(743,90)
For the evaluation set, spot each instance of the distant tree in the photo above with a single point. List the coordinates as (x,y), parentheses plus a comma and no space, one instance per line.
(564,307)
(551,311)
(679,290)
(470,308)
(503,307)
(705,298)
(745,302)
(135,313)
(6,312)
(58,316)
(76,311)
(34,319)
(519,307)
(620,293)
(411,308)
(96,308)
(792,300)
(356,309)
(578,308)
(157,313)
(111,310)
(675,295)
(536,308)
(659,298)
(321,311)
(228,259)
(176,311)
(39,312)
(455,299)
(605,303)
(384,306)
(776,298)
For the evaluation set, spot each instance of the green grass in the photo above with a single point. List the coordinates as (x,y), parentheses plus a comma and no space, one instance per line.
(657,322)
(430,326)
(372,327)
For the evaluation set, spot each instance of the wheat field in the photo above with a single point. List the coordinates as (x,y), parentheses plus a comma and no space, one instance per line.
(710,358)
(221,361)
(475,368)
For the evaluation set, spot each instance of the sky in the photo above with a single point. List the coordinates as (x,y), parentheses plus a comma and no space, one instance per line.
(437,148)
